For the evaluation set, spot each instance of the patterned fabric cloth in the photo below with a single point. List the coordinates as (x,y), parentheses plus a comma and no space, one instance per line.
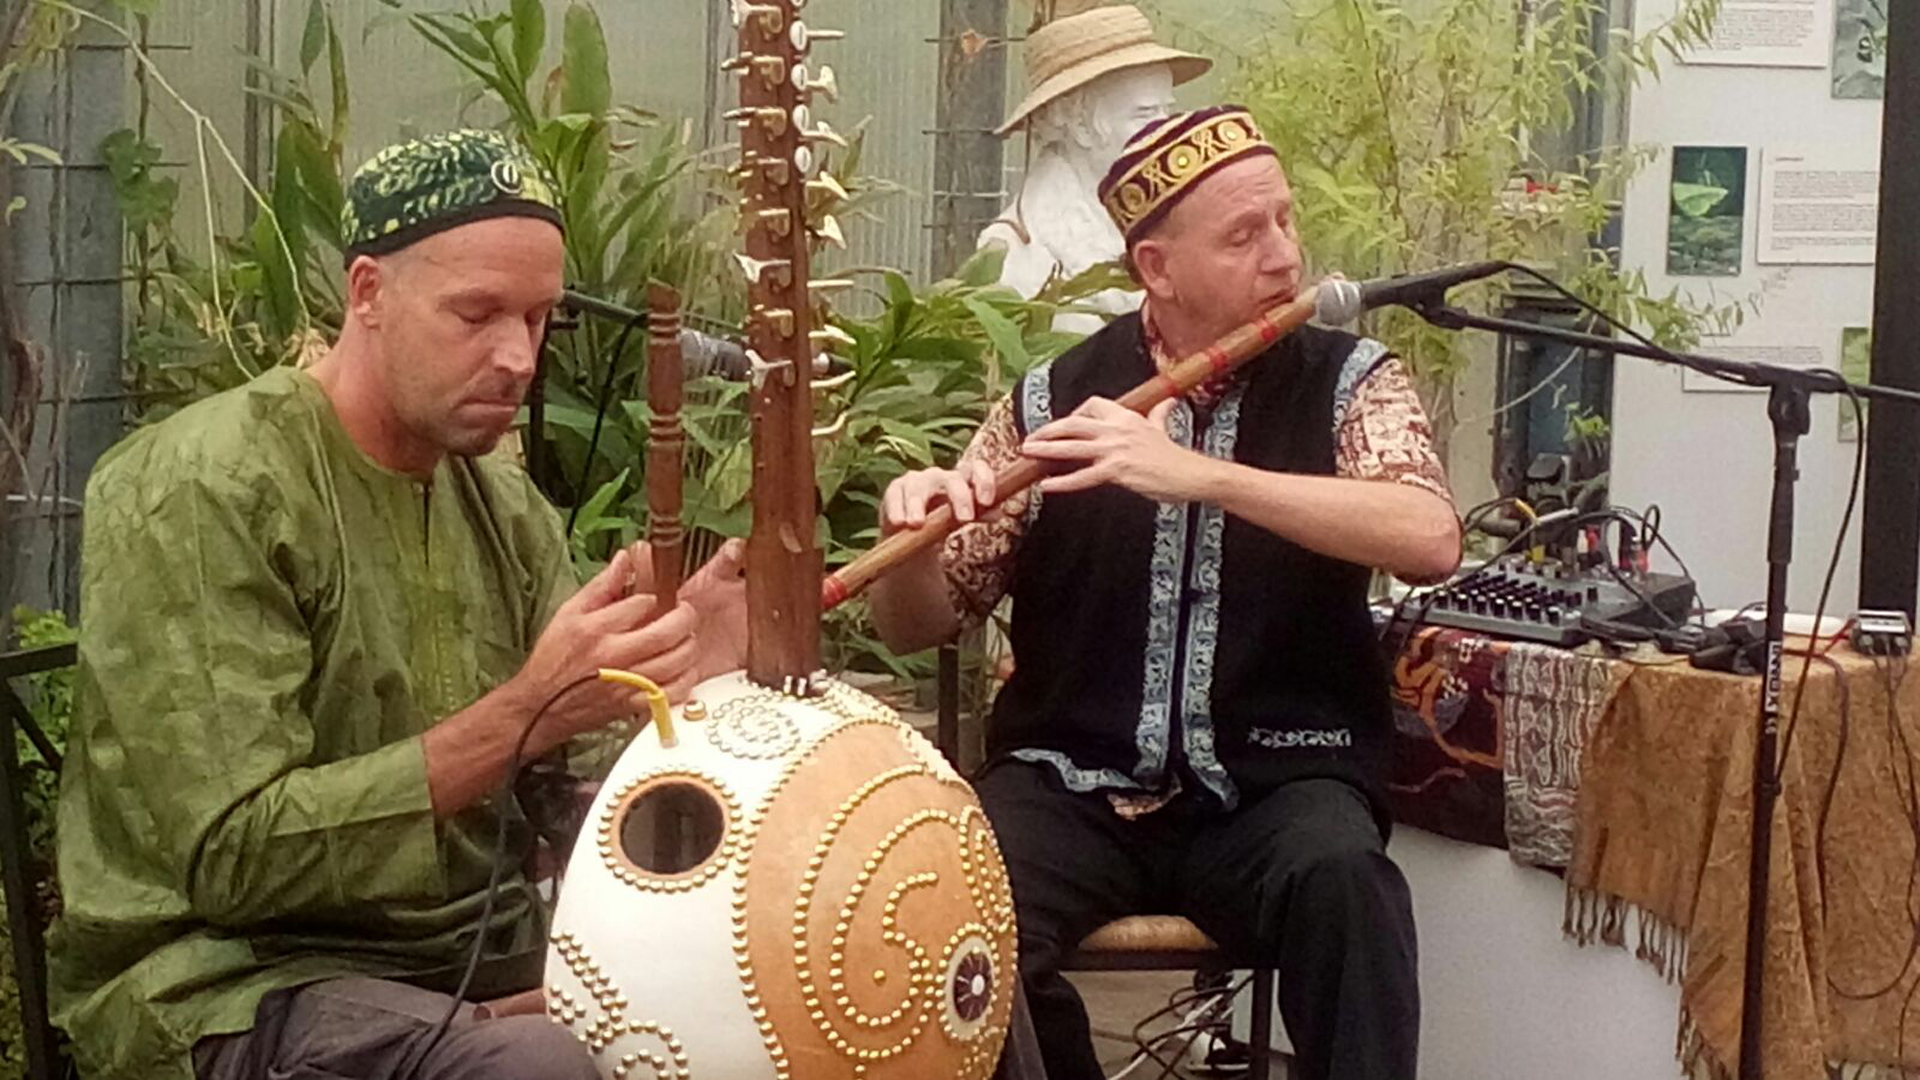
(1444,772)
(411,190)
(1382,434)
(1663,831)
(1636,776)
(1488,737)
(1554,698)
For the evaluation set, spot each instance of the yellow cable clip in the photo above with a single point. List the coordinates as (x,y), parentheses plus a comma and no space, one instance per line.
(662,713)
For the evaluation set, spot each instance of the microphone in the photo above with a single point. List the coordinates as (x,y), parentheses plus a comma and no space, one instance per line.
(702,354)
(1340,301)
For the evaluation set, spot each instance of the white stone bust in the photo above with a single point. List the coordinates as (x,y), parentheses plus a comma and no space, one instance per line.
(1095,79)
(1055,223)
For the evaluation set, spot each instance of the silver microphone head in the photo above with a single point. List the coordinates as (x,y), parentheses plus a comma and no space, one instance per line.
(1336,302)
(706,355)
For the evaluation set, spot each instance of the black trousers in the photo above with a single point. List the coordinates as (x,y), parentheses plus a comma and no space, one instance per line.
(1298,880)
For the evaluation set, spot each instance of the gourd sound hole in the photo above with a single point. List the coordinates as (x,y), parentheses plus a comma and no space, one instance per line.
(672,828)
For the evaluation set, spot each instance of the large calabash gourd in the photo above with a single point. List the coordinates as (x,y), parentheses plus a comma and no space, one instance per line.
(799,887)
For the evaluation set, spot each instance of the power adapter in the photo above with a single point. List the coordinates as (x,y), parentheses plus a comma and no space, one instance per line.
(1882,633)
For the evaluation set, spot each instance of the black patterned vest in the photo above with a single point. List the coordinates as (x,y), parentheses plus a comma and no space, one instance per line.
(1152,639)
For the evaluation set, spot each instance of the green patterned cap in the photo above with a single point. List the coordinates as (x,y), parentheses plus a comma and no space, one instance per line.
(414,189)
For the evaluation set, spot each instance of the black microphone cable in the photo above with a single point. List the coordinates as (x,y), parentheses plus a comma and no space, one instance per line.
(658,715)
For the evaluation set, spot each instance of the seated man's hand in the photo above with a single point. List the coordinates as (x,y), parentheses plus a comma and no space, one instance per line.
(718,592)
(605,626)
(1106,443)
(969,489)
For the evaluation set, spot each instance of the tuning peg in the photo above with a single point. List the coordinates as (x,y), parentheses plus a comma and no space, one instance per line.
(824,285)
(771,17)
(779,221)
(781,269)
(803,159)
(781,319)
(776,168)
(758,368)
(832,429)
(833,335)
(823,383)
(827,85)
(825,184)
(774,120)
(772,69)
(803,37)
(824,133)
(829,230)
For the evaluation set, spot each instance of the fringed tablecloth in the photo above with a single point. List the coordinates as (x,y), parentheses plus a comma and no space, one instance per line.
(1663,831)
(1636,776)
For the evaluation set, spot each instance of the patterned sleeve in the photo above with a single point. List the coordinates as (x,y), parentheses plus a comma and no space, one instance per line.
(1384,434)
(978,558)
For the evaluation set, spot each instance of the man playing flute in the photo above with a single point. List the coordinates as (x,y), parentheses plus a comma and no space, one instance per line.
(1197,717)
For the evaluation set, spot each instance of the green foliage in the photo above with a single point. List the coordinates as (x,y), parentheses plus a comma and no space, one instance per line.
(924,371)
(639,204)
(31,34)
(214,308)
(50,701)
(1410,132)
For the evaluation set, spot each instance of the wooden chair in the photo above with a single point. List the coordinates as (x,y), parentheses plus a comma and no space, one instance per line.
(16,862)
(1137,942)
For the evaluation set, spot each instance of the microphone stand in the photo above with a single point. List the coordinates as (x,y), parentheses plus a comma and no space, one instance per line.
(1789,393)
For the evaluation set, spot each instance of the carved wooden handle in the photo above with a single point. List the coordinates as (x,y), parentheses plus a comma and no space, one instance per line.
(666,442)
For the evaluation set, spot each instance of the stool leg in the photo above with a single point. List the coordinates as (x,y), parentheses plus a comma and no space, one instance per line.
(1260,1048)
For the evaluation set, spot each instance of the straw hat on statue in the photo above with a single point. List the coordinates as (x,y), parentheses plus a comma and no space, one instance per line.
(1095,75)
(1081,42)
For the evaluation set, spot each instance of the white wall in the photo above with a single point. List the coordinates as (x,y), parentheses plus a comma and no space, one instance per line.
(1706,458)
(1503,993)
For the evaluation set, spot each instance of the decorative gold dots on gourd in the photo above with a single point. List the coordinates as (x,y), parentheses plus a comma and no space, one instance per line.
(612,1024)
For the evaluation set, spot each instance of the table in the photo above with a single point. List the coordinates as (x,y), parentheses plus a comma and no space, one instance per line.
(1633,777)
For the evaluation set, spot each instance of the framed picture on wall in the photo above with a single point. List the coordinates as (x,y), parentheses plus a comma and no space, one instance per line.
(1766,33)
(1856,365)
(1860,48)
(1707,211)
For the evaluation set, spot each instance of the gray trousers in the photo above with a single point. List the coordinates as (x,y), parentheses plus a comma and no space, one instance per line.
(366,1029)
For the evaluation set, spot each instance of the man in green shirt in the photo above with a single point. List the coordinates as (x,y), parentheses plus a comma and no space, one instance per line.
(315,620)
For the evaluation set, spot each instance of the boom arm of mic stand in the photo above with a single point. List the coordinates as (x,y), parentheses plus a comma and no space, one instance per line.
(1747,373)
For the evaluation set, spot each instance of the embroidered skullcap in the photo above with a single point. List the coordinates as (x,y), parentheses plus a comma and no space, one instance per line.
(414,189)
(1169,158)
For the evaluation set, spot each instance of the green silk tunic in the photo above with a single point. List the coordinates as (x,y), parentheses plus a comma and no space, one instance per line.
(269,621)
